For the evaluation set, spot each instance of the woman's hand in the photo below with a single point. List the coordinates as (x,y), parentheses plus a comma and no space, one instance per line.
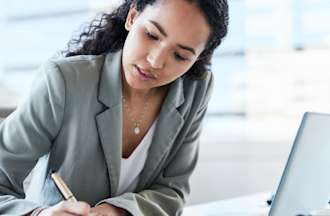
(67,208)
(105,209)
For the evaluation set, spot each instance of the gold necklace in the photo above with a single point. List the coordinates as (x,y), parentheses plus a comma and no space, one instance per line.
(136,122)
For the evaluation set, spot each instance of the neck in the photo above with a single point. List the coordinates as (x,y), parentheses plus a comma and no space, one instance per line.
(130,93)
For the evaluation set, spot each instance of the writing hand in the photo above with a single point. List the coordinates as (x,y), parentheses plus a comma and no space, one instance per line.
(105,209)
(67,208)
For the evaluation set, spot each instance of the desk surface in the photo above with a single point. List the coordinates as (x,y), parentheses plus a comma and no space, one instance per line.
(251,205)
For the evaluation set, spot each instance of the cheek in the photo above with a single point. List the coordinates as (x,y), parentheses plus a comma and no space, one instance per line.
(179,69)
(136,42)
(175,71)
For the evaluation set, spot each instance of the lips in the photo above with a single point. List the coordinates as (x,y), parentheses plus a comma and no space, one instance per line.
(144,73)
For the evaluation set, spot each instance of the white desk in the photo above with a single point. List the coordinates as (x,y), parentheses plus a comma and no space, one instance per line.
(251,205)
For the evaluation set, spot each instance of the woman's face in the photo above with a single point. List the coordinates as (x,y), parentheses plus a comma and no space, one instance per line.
(163,42)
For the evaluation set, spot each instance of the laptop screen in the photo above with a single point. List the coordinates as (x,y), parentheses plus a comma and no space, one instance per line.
(305,182)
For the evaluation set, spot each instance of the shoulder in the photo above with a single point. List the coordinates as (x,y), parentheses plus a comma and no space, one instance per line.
(195,93)
(81,70)
(78,65)
(76,61)
(198,89)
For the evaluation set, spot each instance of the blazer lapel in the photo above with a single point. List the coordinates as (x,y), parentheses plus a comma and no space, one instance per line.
(169,124)
(109,122)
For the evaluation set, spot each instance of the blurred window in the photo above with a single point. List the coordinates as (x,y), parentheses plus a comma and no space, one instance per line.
(273,63)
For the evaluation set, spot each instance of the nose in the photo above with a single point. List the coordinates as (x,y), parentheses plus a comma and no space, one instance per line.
(156,58)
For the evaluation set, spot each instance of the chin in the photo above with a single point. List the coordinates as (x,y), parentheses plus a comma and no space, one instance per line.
(135,84)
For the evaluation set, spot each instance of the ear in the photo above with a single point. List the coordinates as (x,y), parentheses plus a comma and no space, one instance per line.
(131,17)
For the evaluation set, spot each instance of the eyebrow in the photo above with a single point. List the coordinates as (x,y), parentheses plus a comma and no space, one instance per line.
(161,29)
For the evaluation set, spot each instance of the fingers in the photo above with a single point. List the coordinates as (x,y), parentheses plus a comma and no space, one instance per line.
(95,214)
(64,214)
(78,208)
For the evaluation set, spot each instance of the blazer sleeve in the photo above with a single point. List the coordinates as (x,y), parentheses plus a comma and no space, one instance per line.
(167,195)
(27,134)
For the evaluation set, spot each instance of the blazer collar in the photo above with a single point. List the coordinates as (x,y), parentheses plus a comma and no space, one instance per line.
(110,93)
(175,96)
(109,122)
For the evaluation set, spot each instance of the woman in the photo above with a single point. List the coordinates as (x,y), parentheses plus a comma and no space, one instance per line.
(119,117)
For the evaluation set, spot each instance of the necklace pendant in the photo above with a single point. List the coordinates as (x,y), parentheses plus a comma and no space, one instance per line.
(136,130)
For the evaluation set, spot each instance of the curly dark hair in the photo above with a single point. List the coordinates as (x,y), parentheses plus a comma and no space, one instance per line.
(107,33)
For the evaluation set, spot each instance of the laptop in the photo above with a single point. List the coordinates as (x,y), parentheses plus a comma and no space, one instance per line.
(305,182)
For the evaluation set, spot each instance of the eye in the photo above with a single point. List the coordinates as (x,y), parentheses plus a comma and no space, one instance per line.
(151,36)
(179,57)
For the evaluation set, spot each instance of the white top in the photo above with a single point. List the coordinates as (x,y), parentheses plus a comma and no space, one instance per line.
(132,166)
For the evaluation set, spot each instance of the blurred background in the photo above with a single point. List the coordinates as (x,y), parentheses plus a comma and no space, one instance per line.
(272,67)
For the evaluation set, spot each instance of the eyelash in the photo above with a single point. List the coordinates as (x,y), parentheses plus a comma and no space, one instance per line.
(176,55)
(151,36)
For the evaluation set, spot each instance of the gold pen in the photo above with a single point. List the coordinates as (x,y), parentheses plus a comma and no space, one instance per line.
(62,187)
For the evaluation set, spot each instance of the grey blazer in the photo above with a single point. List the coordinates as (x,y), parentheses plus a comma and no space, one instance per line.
(72,123)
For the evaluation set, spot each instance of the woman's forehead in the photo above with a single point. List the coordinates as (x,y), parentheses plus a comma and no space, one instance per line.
(179,19)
